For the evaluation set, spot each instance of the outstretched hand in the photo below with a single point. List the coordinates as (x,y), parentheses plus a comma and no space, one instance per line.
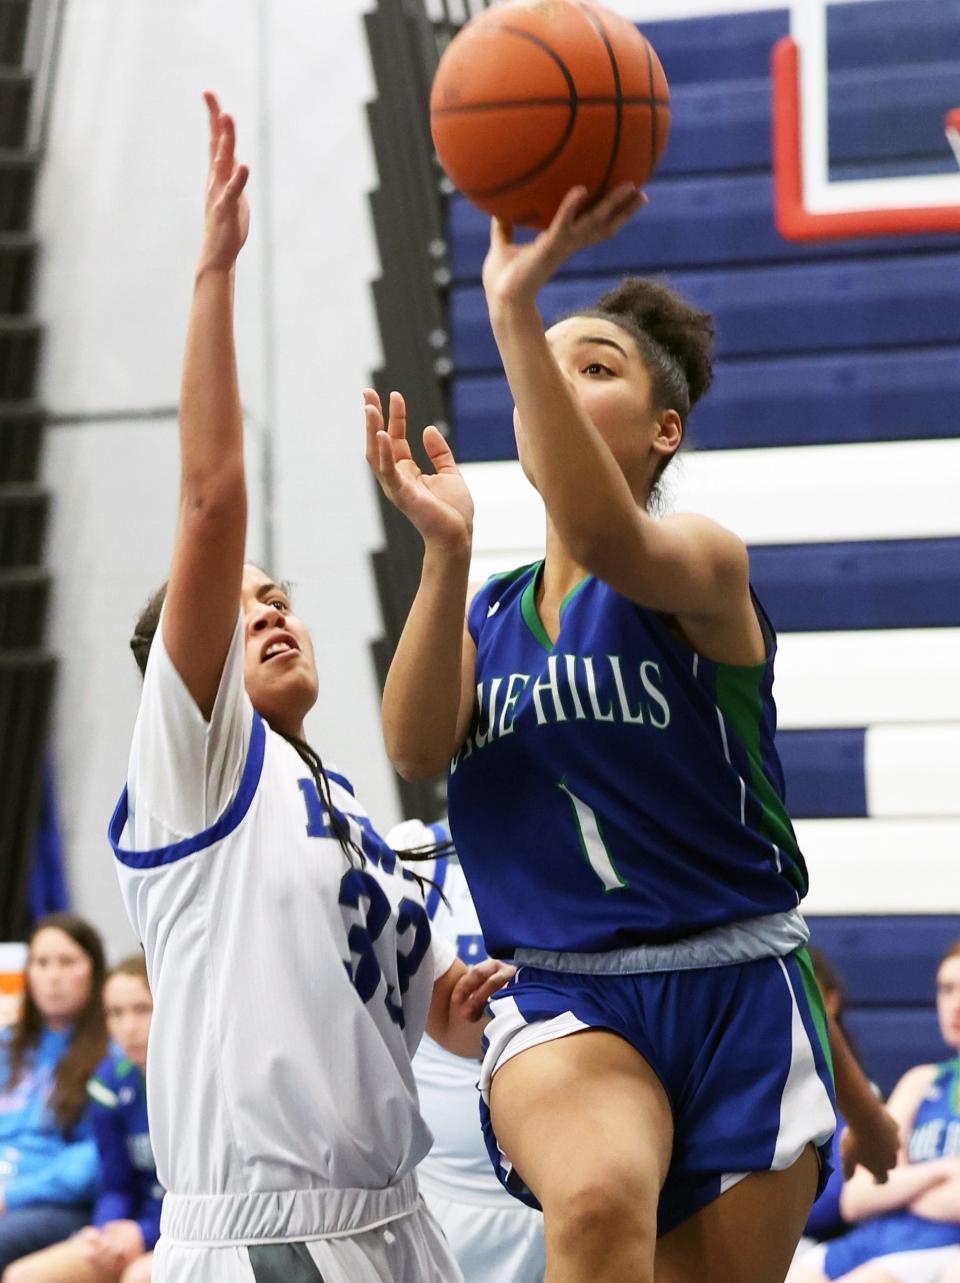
(516,273)
(874,1146)
(227,209)
(477,985)
(438,505)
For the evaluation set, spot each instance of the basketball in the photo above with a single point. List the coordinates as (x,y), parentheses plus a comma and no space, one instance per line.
(534,97)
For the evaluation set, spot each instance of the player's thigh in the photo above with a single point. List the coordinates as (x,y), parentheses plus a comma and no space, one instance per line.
(586,1123)
(65,1262)
(747,1235)
(869,1274)
(140,1270)
(805,1274)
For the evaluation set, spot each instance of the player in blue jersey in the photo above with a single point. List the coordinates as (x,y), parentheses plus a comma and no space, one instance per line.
(617,804)
(117,1247)
(910,1231)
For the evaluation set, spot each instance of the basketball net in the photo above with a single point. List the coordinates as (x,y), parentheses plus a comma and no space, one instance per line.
(809,206)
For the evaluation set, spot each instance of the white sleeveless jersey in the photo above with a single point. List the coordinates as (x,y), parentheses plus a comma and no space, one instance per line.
(290,989)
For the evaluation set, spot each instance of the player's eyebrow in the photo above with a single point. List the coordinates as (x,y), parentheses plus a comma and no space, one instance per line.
(265,591)
(595,338)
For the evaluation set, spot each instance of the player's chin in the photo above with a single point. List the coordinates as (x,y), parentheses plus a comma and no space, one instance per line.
(282,697)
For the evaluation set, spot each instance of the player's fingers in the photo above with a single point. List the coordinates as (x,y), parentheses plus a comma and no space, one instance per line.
(386,464)
(213,117)
(238,180)
(397,418)
(613,210)
(568,211)
(480,997)
(623,213)
(227,147)
(372,397)
(438,450)
(501,233)
(373,426)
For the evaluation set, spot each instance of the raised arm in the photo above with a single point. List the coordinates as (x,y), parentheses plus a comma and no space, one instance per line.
(684,565)
(428,696)
(203,595)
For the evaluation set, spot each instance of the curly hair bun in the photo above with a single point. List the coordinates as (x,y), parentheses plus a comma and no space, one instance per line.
(681,329)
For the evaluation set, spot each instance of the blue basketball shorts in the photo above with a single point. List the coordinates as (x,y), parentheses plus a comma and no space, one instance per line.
(907,1246)
(741,1052)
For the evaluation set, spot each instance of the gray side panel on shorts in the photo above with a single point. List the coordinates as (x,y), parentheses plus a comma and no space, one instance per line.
(283,1263)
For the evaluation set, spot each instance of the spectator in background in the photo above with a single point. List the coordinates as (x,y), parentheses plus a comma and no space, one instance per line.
(494,1238)
(118,1246)
(48,1158)
(911,1224)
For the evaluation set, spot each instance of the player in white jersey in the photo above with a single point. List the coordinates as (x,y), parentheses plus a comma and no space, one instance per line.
(290,955)
(494,1238)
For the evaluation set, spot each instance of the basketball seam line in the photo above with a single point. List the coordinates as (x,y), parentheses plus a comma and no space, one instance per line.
(618,89)
(572,104)
(653,109)
(595,100)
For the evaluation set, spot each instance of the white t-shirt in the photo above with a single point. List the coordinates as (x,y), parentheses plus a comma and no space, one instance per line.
(290,989)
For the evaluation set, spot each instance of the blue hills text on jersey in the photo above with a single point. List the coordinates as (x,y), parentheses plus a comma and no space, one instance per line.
(573,688)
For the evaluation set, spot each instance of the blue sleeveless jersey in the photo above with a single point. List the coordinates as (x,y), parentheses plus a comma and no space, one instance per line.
(615,788)
(935,1134)
(129,1186)
(936,1126)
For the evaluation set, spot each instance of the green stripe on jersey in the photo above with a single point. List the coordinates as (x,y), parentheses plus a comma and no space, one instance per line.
(741,703)
(531,616)
(101,1093)
(815,1001)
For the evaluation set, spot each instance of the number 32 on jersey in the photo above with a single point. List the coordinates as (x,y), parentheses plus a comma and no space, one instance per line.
(374,955)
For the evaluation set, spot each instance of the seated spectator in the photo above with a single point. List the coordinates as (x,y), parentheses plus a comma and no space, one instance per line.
(118,1246)
(910,1231)
(48,1159)
(494,1238)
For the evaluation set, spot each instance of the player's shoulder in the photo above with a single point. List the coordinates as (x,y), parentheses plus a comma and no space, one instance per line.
(695,528)
(503,582)
(917,1081)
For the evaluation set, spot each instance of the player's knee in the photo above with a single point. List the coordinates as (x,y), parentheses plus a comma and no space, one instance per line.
(596,1211)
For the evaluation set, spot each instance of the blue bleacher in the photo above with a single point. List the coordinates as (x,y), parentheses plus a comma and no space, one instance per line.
(821,587)
(710,221)
(885,396)
(826,307)
(888,965)
(881,34)
(825,773)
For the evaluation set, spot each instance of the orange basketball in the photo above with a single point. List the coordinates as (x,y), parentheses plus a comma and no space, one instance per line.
(534,97)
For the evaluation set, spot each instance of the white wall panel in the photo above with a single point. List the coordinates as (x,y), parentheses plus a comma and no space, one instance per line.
(802,494)
(882,866)
(860,678)
(914,769)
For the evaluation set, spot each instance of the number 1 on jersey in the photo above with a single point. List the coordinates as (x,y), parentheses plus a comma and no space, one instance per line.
(592,844)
